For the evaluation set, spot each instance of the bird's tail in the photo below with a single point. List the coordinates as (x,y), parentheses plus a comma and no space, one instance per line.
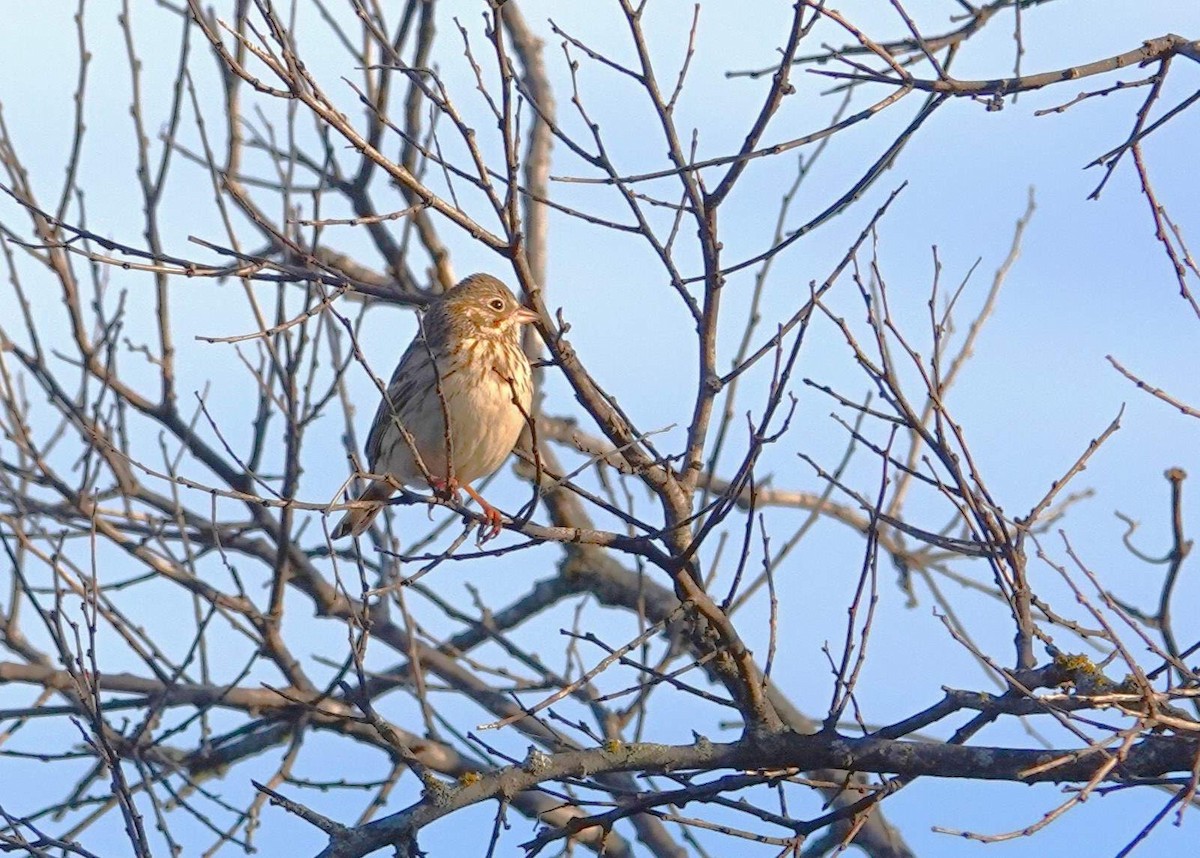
(355,521)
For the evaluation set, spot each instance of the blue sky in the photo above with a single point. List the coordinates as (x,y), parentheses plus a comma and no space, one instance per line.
(1091,281)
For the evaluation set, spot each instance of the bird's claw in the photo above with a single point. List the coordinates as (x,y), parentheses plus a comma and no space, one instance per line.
(492,523)
(449,489)
(491,526)
(446,489)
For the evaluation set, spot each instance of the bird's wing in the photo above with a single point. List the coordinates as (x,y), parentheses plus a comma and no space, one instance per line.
(413,377)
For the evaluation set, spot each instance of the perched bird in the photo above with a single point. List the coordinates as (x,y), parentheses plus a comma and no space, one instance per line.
(465,364)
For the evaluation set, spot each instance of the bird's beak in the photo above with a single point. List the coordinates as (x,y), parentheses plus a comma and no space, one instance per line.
(524,316)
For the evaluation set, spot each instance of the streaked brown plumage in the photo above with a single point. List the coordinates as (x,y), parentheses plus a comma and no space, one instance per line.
(466,362)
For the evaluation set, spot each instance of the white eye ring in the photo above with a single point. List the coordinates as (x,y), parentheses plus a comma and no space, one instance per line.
(496,303)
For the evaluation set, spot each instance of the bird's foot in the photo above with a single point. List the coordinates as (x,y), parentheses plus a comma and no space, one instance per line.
(493,523)
(446,489)
(449,489)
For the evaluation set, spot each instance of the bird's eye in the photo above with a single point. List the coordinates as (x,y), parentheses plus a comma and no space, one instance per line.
(496,304)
